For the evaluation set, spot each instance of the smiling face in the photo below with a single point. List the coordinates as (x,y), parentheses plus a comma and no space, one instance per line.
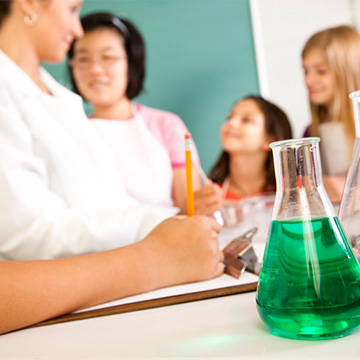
(57,25)
(320,80)
(100,67)
(244,130)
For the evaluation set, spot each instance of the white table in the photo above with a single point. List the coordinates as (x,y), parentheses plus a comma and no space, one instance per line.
(223,327)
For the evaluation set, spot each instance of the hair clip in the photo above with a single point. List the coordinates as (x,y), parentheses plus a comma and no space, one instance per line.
(121,26)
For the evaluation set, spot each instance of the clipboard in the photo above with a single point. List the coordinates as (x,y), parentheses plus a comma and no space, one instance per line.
(152,303)
(223,285)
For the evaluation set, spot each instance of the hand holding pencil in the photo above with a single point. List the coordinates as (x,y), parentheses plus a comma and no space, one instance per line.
(208,199)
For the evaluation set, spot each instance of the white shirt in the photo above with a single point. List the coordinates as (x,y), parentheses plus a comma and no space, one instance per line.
(144,163)
(334,151)
(61,193)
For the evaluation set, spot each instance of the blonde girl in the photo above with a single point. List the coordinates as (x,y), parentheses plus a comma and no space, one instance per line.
(331,61)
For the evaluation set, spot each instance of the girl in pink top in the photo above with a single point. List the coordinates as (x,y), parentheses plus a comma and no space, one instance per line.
(108,67)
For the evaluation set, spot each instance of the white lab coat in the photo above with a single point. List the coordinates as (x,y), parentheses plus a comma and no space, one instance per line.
(61,193)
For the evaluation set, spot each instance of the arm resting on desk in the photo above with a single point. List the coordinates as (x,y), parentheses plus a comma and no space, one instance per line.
(177,251)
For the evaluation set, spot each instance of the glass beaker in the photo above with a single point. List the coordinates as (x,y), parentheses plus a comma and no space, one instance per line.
(309,285)
(349,211)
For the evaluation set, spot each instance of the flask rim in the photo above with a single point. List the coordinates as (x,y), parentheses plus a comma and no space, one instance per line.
(295,142)
(354,94)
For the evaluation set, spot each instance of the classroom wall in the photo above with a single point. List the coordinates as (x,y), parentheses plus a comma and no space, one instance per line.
(200,59)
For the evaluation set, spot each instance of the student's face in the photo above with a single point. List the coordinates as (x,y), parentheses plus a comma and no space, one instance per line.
(57,25)
(100,67)
(244,130)
(319,78)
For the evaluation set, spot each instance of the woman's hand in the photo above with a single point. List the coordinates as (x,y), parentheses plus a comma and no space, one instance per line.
(184,250)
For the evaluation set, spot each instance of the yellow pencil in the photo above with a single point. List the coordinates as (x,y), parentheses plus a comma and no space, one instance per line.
(189,186)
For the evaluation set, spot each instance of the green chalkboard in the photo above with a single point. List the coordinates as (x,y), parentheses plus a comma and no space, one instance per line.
(200,59)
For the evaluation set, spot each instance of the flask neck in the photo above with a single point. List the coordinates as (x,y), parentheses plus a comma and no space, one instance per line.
(300,193)
(297,168)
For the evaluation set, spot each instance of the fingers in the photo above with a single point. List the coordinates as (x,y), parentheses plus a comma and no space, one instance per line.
(218,256)
(220,266)
(209,257)
(208,199)
(210,222)
(215,225)
(187,248)
(209,190)
(221,256)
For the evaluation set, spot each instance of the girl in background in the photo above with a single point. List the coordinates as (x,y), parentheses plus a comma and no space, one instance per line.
(245,166)
(331,61)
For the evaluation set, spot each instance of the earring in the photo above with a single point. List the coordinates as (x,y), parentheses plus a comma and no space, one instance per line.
(30,19)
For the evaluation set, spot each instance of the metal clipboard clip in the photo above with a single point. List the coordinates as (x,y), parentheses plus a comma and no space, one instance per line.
(239,255)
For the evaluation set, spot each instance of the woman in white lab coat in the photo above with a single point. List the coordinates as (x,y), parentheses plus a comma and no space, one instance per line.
(60,193)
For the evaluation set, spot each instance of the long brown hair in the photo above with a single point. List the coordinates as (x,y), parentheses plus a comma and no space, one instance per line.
(5,9)
(277,126)
(341,48)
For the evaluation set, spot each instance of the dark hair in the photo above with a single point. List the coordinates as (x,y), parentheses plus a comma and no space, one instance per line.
(5,8)
(134,47)
(277,126)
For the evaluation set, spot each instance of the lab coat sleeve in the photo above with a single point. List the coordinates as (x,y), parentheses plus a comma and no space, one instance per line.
(35,223)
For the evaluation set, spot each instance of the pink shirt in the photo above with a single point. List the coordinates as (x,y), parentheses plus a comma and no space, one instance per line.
(162,125)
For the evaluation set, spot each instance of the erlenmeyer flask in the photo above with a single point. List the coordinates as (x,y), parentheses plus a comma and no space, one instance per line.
(349,211)
(309,285)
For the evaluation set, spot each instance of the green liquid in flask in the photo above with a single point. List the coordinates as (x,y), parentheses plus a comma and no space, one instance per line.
(309,286)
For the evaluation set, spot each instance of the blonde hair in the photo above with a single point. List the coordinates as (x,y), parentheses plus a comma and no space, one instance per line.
(341,47)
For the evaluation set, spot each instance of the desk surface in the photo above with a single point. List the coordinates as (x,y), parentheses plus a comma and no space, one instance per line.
(222,327)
